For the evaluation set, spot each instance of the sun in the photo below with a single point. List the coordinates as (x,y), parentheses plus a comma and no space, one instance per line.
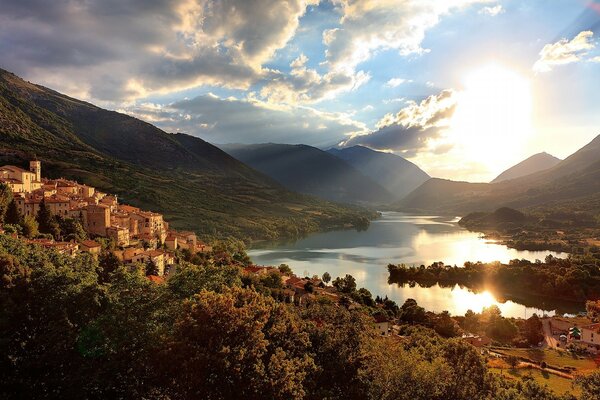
(493,118)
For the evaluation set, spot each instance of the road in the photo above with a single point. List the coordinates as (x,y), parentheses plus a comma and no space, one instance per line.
(549,339)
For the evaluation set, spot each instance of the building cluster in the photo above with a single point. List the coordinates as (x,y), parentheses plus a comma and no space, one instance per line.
(579,331)
(100,214)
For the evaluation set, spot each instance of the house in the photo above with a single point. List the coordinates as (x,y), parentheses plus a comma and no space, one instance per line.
(128,254)
(119,234)
(151,225)
(181,240)
(382,323)
(159,258)
(29,204)
(21,180)
(90,246)
(590,336)
(477,341)
(67,248)
(98,219)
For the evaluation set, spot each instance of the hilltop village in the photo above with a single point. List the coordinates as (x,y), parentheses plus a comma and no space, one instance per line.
(136,236)
(139,236)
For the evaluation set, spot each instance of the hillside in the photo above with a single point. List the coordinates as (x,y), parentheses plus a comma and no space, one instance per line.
(574,181)
(306,169)
(193,183)
(536,163)
(397,175)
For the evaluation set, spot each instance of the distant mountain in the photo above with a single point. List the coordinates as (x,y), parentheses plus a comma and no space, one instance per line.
(536,163)
(397,175)
(574,181)
(196,185)
(309,170)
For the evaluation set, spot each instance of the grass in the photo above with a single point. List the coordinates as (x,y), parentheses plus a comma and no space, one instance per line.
(554,358)
(557,384)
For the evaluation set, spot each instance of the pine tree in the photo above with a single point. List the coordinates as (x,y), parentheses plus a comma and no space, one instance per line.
(13,216)
(6,197)
(46,221)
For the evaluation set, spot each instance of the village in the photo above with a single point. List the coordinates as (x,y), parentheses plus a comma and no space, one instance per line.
(139,236)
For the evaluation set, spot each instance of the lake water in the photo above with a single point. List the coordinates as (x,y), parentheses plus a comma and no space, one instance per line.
(413,240)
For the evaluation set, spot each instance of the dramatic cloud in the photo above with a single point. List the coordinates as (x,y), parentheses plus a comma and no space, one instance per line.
(232,120)
(414,128)
(368,25)
(306,85)
(121,49)
(492,11)
(565,52)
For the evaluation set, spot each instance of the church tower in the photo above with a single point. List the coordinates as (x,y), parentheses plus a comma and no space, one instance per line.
(36,168)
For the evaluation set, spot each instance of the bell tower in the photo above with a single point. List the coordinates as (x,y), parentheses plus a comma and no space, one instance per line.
(36,167)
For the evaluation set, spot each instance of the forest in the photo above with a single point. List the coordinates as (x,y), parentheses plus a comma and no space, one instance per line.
(77,327)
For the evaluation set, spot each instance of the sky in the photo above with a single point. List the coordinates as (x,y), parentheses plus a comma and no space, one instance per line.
(463,88)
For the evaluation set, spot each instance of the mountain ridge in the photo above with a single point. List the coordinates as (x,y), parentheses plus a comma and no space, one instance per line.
(577,178)
(309,170)
(536,163)
(194,184)
(398,175)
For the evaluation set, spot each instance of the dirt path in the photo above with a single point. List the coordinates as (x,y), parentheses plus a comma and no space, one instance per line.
(549,340)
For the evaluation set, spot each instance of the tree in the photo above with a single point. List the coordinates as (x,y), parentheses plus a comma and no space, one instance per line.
(589,384)
(411,312)
(46,221)
(532,330)
(6,197)
(72,229)
(363,296)
(285,269)
(513,361)
(445,325)
(236,344)
(309,287)
(108,264)
(471,322)
(346,284)
(326,277)
(13,216)
(272,280)
(151,268)
(30,227)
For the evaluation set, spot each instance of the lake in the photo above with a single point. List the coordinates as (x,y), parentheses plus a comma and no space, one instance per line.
(413,240)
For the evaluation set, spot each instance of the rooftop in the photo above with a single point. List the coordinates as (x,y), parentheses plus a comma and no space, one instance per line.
(90,244)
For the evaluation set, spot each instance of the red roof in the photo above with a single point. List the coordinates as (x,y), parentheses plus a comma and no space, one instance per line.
(90,244)
(156,279)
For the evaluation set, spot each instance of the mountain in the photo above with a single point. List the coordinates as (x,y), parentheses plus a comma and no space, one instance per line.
(309,170)
(536,163)
(397,175)
(574,181)
(193,183)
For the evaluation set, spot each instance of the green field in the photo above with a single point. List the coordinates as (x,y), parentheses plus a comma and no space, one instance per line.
(556,383)
(553,358)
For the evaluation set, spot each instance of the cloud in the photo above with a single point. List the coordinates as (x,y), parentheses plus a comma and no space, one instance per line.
(232,120)
(414,128)
(305,85)
(565,52)
(492,11)
(128,49)
(395,82)
(367,26)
